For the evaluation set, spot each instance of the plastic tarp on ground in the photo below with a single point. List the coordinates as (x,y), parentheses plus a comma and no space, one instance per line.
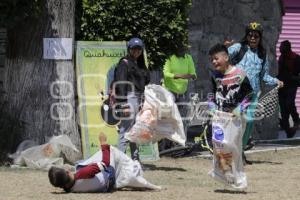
(227,131)
(128,172)
(159,118)
(43,156)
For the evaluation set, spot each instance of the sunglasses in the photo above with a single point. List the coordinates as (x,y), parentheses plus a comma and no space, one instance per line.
(254,35)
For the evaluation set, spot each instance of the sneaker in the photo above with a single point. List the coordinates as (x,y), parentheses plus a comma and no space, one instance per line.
(245,161)
(297,124)
(145,167)
(291,132)
(250,144)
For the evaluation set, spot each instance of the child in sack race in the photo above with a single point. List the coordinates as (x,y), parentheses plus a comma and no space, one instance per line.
(107,170)
(232,94)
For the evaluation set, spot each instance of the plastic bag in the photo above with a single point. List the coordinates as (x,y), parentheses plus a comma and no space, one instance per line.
(159,118)
(45,155)
(227,131)
(128,172)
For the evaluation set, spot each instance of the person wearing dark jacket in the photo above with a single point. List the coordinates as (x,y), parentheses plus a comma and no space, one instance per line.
(289,68)
(130,78)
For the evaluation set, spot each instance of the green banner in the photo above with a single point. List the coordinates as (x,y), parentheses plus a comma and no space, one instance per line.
(93,61)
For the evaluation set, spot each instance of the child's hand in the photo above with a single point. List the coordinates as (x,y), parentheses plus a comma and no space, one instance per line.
(280,84)
(212,106)
(236,111)
(228,43)
(240,109)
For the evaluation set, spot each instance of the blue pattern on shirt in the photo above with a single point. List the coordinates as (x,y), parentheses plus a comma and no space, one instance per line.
(251,64)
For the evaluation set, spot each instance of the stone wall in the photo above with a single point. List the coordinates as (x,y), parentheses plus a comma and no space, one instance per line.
(211,21)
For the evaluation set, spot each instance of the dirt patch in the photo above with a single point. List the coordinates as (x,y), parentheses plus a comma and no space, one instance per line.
(274,175)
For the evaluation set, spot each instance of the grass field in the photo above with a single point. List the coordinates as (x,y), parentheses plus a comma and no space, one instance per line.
(274,175)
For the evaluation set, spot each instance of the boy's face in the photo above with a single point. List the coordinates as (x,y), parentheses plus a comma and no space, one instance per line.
(72,178)
(220,61)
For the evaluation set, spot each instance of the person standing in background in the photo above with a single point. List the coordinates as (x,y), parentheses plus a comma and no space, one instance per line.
(289,68)
(250,55)
(130,78)
(178,69)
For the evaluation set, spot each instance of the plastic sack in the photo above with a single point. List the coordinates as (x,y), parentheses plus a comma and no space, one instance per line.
(227,134)
(128,172)
(159,118)
(45,155)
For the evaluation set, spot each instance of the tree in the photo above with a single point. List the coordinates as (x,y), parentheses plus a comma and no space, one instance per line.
(39,99)
(161,24)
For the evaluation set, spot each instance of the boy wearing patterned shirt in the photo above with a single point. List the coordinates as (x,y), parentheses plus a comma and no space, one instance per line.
(231,86)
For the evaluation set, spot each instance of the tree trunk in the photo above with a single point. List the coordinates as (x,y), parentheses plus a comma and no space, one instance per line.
(40,94)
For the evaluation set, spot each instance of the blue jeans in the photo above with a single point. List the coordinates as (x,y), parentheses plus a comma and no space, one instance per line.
(109,175)
(134,100)
(182,98)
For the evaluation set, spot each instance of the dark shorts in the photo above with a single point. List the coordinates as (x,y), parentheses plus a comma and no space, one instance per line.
(109,174)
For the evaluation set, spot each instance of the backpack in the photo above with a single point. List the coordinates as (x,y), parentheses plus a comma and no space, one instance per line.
(239,56)
(110,76)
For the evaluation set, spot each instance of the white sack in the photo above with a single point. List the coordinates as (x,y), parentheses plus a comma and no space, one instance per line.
(128,172)
(45,155)
(227,134)
(159,118)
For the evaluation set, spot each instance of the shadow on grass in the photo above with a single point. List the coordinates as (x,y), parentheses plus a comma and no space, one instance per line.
(133,189)
(264,162)
(150,167)
(230,191)
(62,192)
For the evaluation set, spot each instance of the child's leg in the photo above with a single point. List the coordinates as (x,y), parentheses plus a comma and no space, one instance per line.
(248,132)
(250,121)
(109,170)
(105,149)
(90,170)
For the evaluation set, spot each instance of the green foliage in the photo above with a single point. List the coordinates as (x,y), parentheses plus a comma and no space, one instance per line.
(161,24)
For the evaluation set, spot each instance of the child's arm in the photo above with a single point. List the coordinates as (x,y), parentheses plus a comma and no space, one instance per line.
(88,171)
(234,49)
(246,91)
(245,97)
(91,170)
(211,97)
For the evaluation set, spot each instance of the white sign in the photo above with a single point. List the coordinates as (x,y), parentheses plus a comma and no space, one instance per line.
(58,48)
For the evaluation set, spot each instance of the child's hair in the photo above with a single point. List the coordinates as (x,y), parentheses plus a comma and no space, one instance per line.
(218,48)
(59,177)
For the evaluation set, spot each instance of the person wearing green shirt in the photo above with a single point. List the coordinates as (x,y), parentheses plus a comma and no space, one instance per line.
(178,70)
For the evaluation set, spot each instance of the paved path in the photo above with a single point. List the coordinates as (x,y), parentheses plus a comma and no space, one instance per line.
(282,142)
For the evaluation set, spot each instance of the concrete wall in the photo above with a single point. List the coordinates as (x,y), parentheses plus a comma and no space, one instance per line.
(214,20)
